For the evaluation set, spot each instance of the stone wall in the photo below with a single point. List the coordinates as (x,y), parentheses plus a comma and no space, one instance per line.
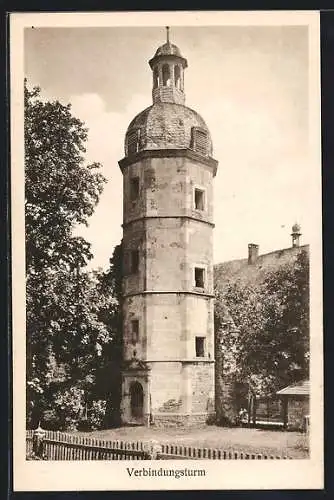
(166,187)
(166,387)
(134,308)
(173,238)
(173,248)
(182,389)
(180,420)
(298,408)
(202,384)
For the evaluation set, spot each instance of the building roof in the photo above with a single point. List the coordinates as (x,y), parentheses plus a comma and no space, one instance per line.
(168,49)
(167,126)
(241,270)
(296,228)
(299,389)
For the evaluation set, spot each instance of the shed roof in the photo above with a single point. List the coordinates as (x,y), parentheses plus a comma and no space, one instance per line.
(299,389)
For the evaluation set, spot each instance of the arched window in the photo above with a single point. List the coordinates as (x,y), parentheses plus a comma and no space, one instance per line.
(165,75)
(177,76)
(136,399)
(155,78)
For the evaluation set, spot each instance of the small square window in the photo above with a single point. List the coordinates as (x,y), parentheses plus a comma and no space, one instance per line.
(199,277)
(199,346)
(134,331)
(134,188)
(199,199)
(134,261)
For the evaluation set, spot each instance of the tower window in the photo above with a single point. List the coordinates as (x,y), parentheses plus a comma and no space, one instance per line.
(199,346)
(134,261)
(199,199)
(134,331)
(199,277)
(134,188)
(133,142)
(199,141)
(177,76)
(155,78)
(165,75)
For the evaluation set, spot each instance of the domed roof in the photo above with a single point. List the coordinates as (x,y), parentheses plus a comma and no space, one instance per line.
(167,126)
(296,228)
(168,49)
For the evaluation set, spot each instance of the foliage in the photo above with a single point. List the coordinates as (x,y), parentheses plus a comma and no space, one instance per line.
(108,376)
(32,456)
(264,327)
(70,311)
(97,414)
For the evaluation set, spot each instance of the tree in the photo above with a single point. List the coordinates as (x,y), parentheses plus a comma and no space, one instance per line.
(61,189)
(65,327)
(268,344)
(82,335)
(108,377)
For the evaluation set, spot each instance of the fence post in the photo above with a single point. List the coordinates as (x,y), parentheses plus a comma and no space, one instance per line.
(306,424)
(38,441)
(153,449)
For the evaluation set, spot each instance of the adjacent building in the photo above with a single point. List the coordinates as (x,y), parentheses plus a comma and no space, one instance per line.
(231,395)
(296,405)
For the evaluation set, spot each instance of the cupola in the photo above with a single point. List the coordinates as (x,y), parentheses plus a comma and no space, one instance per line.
(296,234)
(168,67)
(168,123)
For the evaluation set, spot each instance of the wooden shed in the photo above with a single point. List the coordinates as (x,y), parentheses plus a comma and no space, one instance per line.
(296,404)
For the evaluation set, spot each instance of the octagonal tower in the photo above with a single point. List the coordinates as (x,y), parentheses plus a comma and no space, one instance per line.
(168,331)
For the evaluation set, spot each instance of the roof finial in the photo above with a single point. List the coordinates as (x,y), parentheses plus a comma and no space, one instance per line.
(167,33)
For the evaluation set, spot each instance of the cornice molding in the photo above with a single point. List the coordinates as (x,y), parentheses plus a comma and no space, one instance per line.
(170,292)
(169,153)
(148,217)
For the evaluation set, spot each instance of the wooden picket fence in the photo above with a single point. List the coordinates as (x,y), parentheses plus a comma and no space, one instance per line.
(62,446)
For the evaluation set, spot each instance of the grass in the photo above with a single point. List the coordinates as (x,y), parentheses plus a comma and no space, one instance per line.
(282,443)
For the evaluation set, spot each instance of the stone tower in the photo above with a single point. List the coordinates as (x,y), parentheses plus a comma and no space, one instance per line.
(168,327)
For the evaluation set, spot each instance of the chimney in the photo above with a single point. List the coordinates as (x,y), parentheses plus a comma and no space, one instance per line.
(253,253)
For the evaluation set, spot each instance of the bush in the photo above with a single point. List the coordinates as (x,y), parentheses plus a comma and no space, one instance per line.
(70,411)
(223,421)
(96,414)
(212,419)
(50,420)
(33,456)
(68,408)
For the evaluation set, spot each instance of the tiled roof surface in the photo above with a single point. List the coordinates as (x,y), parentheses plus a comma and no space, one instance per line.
(299,389)
(168,49)
(167,126)
(240,270)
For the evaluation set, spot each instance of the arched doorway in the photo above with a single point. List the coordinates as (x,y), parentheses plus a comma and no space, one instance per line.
(136,400)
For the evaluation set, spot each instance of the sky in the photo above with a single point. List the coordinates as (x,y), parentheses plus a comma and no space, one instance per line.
(249,83)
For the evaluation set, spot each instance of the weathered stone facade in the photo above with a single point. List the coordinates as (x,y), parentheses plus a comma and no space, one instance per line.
(296,404)
(297,409)
(168,327)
